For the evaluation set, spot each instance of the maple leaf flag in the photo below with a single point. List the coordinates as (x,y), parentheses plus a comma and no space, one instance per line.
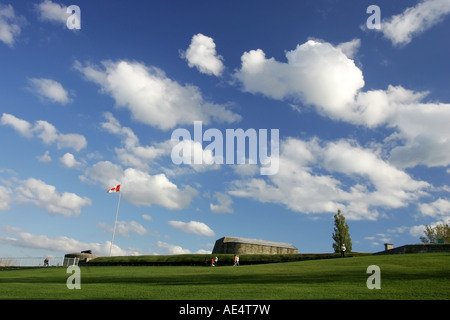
(114,189)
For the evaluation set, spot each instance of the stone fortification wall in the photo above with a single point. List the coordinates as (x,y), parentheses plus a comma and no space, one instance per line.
(418,248)
(81,257)
(232,245)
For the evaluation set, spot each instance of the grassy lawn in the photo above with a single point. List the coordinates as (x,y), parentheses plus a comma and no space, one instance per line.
(403,277)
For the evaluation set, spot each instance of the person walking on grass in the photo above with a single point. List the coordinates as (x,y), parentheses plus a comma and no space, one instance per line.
(343,250)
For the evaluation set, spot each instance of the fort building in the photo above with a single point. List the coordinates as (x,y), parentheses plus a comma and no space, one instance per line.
(238,245)
(78,257)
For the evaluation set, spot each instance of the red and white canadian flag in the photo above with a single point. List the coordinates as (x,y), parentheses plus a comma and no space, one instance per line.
(114,189)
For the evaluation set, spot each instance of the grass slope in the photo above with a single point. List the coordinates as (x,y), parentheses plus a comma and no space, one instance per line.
(403,277)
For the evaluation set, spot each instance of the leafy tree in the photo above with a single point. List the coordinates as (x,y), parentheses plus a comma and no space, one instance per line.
(432,234)
(341,234)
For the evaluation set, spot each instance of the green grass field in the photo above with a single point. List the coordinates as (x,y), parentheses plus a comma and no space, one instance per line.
(403,277)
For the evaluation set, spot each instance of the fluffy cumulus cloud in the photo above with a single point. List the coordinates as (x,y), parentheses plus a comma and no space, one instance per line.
(45,131)
(172,249)
(50,90)
(307,183)
(316,73)
(321,75)
(401,28)
(423,129)
(152,97)
(439,209)
(17,237)
(51,11)
(139,187)
(46,158)
(10,24)
(125,228)
(202,55)
(132,153)
(5,198)
(69,161)
(45,196)
(350,48)
(194,227)
(224,203)
(20,125)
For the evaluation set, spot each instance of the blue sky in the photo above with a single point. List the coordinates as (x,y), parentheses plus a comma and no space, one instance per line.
(362,112)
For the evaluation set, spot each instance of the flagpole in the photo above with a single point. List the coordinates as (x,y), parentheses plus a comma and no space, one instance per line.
(115,223)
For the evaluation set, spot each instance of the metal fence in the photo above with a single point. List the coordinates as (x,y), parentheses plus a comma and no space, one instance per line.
(38,261)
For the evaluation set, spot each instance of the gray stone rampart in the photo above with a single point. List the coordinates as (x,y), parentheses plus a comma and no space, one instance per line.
(418,248)
(234,245)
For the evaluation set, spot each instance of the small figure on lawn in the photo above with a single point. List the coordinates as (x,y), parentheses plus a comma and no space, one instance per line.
(343,250)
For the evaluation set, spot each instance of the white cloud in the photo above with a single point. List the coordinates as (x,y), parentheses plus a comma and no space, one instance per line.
(18,238)
(202,55)
(194,227)
(224,203)
(10,24)
(172,249)
(45,157)
(424,130)
(139,187)
(45,131)
(20,125)
(152,97)
(439,209)
(49,134)
(350,48)
(45,196)
(50,11)
(125,228)
(133,154)
(350,159)
(417,231)
(186,151)
(401,28)
(5,198)
(246,169)
(307,183)
(323,76)
(316,73)
(49,89)
(69,160)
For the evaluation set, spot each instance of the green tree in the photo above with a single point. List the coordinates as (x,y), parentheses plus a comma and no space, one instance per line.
(432,234)
(341,233)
